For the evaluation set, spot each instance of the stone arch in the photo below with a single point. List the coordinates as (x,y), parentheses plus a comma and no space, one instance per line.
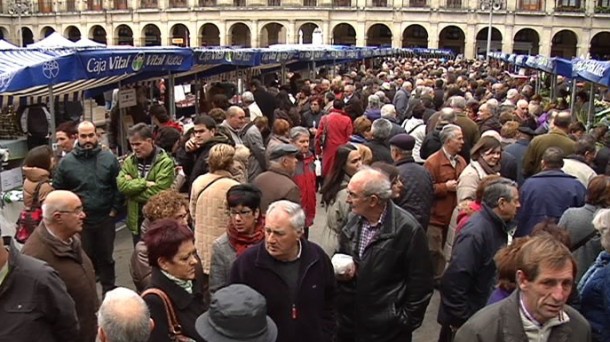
(526,41)
(415,36)
(97,33)
(564,44)
(305,33)
(180,35)
(123,35)
(72,33)
(209,35)
(4,33)
(240,35)
(481,41)
(379,35)
(46,31)
(599,47)
(452,38)
(27,36)
(151,35)
(272,33)
(344,34)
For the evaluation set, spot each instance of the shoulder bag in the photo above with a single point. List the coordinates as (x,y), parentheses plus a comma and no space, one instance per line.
(29,218)
(175,329)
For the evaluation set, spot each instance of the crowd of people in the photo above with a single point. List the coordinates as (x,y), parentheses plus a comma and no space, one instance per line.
(446,175)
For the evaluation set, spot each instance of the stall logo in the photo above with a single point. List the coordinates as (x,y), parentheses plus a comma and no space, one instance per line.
(50,69)
(5,79)
(138,62)
(593,67)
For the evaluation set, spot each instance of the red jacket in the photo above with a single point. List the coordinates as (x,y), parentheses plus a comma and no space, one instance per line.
(305,178)
(170,123)
(338,128)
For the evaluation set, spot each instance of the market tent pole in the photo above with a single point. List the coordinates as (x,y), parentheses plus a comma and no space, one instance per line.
(590,111)
(171,95)
(197,96)
(52,111)
(553,87)
(572,99)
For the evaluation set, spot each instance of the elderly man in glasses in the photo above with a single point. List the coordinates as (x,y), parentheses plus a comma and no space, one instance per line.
(56,241)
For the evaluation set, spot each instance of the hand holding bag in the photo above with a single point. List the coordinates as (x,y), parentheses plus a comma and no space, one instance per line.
(175,329)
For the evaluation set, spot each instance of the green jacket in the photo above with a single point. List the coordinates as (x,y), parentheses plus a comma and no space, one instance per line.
(136,191)
(91,174)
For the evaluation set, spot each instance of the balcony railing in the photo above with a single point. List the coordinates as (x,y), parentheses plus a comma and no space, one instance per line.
(418,3)
(178,3)
(569,6)
(342,3)
(310,3)
(274,3)
(454,4)
(602,9)
(45,6)
(120,4)
(572,9)
(530,5)
(206,3)
(94,5)
(149,4)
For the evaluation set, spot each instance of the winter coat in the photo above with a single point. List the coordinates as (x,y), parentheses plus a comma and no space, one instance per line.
(576,166)
(266,102)
(137,192)
(444,201)
(417,129)
(471,273)
(309,315)
(537,147)
(92,175)
(400,102)
(508,166)
(250,137)
(469,181)
(396,128)
(595,297)
(470,131)
(354,107)
(502,322)
(579,223)
(223,256)
(208,208)
(602,158)
(305,179)
(431,144)
(33,176)
(195,163)
(275,141)
(338,128)
(490,124)
(139,268)
(35,303)
(186,306)
(418,191)
(381,150)
(276,184)
(372,114)
(336,218)
(75,269)
(393,282)
(518,150)
(547,194)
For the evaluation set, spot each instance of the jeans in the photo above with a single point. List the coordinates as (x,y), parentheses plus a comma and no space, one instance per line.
(98,243)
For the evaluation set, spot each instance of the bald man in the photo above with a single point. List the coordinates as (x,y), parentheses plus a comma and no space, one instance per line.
(123,316)
(56,242)
(91,172)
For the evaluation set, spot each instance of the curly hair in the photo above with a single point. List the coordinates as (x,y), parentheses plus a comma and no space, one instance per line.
(221,157)
(164,205)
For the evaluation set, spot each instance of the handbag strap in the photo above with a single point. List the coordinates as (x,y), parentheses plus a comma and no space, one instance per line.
(174,326)
(208,185)
(584,240)
(36,200)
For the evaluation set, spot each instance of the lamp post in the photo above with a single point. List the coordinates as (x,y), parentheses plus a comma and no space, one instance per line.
(20,7)
(491,5)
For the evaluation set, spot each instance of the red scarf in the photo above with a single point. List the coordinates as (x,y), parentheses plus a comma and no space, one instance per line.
(241,242)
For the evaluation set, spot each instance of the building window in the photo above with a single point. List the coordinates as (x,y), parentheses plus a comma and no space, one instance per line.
(120,4)
(380,3)
(417,3)
(342,3)
(310,3)
(603,3)
(71,5)
(177,3)
(206,3)
(45,6)
(94,5)
(149,4)
(274,3)
(454,3)
(531,5)
(569,3)
(239,3)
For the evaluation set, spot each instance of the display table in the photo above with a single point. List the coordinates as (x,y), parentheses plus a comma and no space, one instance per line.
(10,209)
(18,148)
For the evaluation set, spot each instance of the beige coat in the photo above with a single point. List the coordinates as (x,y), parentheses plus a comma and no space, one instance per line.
(469,180)
(209,211)
(33,176)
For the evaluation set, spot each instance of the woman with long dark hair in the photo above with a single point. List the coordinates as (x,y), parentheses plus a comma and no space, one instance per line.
(334,194)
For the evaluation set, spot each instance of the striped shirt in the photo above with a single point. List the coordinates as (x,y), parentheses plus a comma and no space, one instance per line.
(369,232)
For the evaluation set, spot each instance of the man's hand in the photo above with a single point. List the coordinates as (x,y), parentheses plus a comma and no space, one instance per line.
(150,184)
(112,213)
(191,145)
(348,275)
(128,177)
(451,185)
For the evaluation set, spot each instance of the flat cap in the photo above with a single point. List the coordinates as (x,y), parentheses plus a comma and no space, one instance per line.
(403,141)
(282,150)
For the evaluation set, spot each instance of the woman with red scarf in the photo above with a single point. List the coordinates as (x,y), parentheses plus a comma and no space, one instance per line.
(246,228)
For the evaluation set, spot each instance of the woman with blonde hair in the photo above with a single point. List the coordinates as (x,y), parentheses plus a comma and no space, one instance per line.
(365,153)
(208,204)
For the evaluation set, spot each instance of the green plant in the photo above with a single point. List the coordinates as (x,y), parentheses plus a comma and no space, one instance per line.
(602,9)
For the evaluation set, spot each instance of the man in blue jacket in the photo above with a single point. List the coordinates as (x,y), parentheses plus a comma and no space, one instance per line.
(548,193)
(470,276)
(91,173)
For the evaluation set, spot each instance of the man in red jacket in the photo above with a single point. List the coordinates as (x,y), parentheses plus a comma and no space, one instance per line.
(334,130)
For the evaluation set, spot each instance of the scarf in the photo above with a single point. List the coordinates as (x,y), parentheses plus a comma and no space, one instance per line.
(241,242)
(186,285)
(489,170)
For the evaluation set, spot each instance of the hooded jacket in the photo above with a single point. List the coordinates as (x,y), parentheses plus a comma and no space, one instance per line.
(34,176)
(75,269)
(92,175)
(305,178)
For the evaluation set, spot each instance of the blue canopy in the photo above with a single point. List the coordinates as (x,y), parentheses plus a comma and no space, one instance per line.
(562,67)
(592,71)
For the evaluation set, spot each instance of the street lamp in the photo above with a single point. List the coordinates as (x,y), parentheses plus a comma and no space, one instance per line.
(20,7)
(492,5)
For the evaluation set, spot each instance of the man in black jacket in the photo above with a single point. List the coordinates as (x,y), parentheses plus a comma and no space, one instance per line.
(380,130)
(418,185)
(91,173)
(383,297)
(264,99)
(469,278)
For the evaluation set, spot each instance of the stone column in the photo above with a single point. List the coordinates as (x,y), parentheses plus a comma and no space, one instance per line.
(224,33)
(470,42)
(507,39)
(360,34)
(255,34)
(546,42)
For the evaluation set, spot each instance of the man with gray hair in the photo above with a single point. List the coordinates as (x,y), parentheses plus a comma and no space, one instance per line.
(388,112)
(123,317)
(445,166)
(432,141)
(379,145)
(391,265)
(294,275)
(248,100)
(401,99)
(247,134)
(470,130)
(471,273)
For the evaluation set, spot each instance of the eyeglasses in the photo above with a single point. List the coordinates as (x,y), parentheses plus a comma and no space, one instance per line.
(76,211)
(241,213)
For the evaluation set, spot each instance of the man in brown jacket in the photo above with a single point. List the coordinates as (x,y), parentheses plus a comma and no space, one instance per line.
(56,242)
(276,183)
(445,166)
